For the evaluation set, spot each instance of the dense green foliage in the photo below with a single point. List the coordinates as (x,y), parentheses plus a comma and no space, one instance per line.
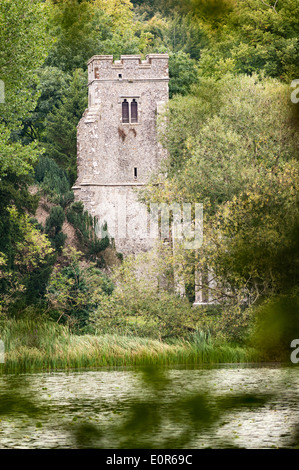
(51,178)
(74,290)
(87,229)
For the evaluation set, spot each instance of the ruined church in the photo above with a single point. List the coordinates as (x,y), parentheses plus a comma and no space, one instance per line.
(118,148)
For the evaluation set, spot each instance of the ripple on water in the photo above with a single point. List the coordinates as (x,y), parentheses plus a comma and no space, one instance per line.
(101,400)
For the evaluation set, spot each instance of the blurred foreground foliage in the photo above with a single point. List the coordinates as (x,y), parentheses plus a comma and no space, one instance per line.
(145,422)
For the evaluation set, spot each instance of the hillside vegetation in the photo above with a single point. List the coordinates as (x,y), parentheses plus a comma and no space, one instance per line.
(231,131)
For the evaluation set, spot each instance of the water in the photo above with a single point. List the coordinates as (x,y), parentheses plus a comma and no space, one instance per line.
(215,407)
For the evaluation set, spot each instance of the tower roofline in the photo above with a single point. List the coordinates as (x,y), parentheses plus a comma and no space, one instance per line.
(149,57)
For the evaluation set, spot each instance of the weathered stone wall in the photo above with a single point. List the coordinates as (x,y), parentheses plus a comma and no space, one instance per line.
(110,152)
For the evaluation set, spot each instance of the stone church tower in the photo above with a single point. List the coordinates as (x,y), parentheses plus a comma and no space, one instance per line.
(117,143)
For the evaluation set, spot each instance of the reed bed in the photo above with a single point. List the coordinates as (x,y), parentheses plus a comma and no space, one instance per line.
(32,345)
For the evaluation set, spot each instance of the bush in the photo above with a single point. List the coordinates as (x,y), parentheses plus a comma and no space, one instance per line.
(66,199)
(53,227)
(85,226)
(52,179)
(234,324)
(183,73)
(139,306)
(75,290)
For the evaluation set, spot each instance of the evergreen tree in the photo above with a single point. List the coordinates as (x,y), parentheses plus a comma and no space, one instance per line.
(61,125)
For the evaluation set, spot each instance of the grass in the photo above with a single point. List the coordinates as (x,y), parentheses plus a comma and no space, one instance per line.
(32,345)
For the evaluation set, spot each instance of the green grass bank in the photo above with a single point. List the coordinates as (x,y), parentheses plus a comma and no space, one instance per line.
(37,345)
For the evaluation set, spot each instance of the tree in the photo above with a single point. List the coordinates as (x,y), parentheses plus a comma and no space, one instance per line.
(52,87)
(54,227)
(75,289)
(20,23)
(227,151)
(30,253)
(143,301)
(183,73)
(256,37)
(23,47)
(79,30)
(186,34)
(60,134)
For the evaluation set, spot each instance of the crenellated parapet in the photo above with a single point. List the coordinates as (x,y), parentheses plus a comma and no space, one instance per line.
(129,67)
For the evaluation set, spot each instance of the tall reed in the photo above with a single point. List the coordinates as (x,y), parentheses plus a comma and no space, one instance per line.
(43,345)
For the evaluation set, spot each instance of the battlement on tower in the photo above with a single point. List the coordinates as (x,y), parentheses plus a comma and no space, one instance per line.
(129,67)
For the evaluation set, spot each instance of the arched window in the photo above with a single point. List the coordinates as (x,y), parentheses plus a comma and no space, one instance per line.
(125,111)
(134,111)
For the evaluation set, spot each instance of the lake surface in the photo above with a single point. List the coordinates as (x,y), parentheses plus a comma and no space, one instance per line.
(197,407)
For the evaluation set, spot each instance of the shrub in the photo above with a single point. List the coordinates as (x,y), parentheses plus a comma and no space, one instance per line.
(233,324)
(75,290)
(85,226)
(53,227)
(66,199)
(52,179)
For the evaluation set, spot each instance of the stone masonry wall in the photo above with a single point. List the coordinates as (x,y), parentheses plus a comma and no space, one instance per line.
(110,152)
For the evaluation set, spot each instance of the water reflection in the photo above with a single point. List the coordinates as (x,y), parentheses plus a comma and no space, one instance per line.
(251,407)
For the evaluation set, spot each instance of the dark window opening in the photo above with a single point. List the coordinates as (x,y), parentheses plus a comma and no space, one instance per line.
(120,75)
(135,173)
(125,111)
(96,72)
(134,111)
